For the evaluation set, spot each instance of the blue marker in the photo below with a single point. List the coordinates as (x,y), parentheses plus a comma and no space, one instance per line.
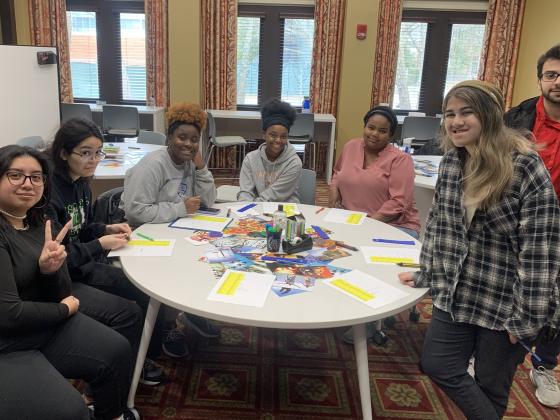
(393,241)
(284,260)
(531,352)
(320,232)
(247,207)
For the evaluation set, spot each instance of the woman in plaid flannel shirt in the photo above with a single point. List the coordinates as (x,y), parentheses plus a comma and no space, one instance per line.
(491,253)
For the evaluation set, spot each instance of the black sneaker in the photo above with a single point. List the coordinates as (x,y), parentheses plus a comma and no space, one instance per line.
(152,374)
(201,325)
(174,344)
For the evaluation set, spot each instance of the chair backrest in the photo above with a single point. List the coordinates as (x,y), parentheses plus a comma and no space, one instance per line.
(120,117)
(211,127)
(106,207)
(69,111)
(34,142)
(151,137)
(306,187)
(303,129)
(421,128)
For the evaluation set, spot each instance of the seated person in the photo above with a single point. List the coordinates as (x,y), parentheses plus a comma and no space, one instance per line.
(272,172)
(43,337)
(375,177)
(173,182)
(106,293)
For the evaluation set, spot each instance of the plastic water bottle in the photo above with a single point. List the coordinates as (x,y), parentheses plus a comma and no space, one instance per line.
(279,217)
(305,105)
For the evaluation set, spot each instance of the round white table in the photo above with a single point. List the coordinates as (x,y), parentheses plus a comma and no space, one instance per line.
(110,173)
(183,282)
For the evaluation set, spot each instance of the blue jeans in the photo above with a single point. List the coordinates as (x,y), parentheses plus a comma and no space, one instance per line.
(408,231)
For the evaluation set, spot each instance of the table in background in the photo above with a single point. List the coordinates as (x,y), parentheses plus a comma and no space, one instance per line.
(152,118)
(248,125)
(183,281)
(424,190)
(110,173)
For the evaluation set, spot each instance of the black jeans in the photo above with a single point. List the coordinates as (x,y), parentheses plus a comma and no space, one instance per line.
(448,347)
(112,280)
(548,351)
(34,366)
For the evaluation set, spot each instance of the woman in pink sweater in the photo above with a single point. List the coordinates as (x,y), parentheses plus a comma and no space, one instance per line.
(375,177)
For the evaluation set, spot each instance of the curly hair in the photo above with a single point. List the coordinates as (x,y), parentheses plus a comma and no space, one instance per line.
(185,113)
(276,112)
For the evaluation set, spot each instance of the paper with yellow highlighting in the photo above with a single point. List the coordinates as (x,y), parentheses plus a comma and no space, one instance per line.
(366,289)
(390,254)
(140,247)
(242,288)
(289,208)
(202,222)
(347,217)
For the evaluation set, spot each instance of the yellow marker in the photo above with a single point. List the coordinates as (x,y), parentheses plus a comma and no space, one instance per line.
(392,260)
(353,290)
(137,242)
(354,219)
(209,218)
(231,283)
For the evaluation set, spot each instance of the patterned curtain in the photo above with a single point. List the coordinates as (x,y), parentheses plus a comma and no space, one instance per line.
(219,54)
(157,56)
(47,19)
(386,51)
(501,44)
(325,70)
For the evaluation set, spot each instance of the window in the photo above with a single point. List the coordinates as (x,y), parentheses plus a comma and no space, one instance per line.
(436,50)
(274,51)
(107,50)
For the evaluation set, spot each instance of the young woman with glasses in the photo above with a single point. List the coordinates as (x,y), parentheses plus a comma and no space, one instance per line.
(107,295)
(272,172)
(43,337)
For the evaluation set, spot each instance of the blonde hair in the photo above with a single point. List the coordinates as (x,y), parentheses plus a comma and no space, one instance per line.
(489,167)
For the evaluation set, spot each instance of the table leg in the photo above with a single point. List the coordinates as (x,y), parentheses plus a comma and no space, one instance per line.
(151,315)
(360,350)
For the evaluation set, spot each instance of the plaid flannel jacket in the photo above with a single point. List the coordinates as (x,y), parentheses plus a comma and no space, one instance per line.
(502,272)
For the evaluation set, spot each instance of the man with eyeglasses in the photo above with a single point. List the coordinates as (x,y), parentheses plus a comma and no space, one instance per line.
(541,116)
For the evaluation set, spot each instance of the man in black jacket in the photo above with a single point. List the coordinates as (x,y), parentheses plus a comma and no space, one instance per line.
(541,117)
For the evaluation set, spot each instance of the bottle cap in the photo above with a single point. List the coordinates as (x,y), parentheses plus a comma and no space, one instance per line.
(281,207)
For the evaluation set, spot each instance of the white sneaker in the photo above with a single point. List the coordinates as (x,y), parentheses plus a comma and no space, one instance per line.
(547,391)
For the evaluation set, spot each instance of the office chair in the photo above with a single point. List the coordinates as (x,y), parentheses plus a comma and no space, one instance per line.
(35,142)
(223,141)
(421,128)
(302,132)
(151,137)
(121,121)
(69,111)
(106,207)
(306,186)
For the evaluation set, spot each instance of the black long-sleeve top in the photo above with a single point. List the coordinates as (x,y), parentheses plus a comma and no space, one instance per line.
(72,200)
(29,300)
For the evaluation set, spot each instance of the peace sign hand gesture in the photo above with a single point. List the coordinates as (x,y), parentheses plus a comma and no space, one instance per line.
(53,254)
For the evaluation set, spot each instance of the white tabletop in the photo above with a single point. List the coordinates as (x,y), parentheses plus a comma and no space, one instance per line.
(142,109)
(184,282)
(132,153)
(256,115)
(424,181)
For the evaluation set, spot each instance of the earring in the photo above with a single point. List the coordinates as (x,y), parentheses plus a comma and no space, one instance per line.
(42,205)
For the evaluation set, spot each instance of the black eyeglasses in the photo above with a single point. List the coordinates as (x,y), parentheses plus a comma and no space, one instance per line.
(88,155)
(550,76)
(18,178)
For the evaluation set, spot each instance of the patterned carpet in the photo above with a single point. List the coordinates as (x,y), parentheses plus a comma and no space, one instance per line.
(256,373)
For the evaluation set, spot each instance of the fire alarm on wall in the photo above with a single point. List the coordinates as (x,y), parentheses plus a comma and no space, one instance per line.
(361,31)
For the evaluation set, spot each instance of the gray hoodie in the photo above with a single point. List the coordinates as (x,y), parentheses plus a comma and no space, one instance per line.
(263,180)
(155,189)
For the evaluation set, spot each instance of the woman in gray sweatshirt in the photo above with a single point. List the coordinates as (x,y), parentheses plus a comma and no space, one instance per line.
(173,182)
(272,172)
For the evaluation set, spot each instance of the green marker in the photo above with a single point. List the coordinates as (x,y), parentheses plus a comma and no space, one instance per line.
(144,236)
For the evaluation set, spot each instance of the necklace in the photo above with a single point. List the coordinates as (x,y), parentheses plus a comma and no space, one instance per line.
(25,227)
(12,216)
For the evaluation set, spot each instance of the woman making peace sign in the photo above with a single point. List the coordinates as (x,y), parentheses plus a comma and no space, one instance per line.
(43,337)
